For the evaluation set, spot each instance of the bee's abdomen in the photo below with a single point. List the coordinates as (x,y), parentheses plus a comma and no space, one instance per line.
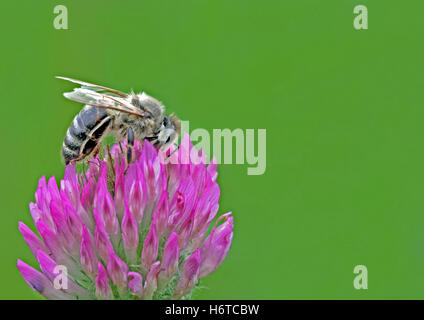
(85,132)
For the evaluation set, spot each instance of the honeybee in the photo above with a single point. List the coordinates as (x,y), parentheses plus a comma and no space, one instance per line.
(108,111)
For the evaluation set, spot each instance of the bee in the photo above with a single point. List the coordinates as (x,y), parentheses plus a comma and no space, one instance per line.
(108,111)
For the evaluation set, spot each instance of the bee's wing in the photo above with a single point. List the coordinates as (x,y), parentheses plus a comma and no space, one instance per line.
(96,99)
(94,87)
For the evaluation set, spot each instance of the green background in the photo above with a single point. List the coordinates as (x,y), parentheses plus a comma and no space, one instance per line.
(342,108)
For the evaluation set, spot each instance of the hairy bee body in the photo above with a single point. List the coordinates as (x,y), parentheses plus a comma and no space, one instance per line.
(131,116)
(85,133)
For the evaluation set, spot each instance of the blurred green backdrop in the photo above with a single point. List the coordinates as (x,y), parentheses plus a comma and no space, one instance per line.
(343,111)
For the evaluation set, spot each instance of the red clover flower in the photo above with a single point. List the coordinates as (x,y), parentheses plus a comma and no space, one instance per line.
(128,232)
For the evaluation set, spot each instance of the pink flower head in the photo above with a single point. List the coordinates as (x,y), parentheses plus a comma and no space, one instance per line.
(136,231)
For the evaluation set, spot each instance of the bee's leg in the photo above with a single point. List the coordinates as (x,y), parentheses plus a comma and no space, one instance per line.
(130,145)
(96,152)
(175,150)
(110,160)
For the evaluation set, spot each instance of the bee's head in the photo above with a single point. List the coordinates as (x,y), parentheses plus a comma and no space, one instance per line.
(171,127)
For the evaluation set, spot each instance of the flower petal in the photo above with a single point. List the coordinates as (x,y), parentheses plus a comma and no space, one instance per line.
(181,204)
(129,230)
(104,203)
(216,246)
(117,269)
(170,257)
(150,248)
(88,257)
(34,243)
(161,213)
(103,289)
(101,237)
(137,199)
(185,232)
(51,270)
(135,283)
(151,281)
(189,275)
(40,283)
(119,195)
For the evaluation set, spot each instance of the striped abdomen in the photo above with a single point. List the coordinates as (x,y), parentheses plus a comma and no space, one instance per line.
(85,133)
